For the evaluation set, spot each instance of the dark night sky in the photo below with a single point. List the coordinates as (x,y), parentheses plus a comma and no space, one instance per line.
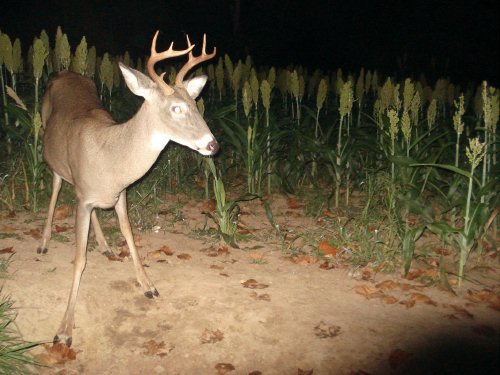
(325,34)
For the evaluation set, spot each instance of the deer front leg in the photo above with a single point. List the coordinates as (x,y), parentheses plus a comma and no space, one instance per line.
(143,279)
(99,236)
(82,232)
(47,232)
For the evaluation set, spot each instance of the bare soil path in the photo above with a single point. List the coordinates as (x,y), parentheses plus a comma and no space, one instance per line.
(211,318)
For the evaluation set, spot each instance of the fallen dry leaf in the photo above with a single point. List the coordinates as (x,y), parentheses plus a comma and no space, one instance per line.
(369,291)
(326,265)
(184,256)
(292,203)
(224,368)
(412,275)
(253,284)
(260,297)
(389,299)
(422,298)
(208,206)
(166,250)
(406,287)
(155,254)
(62,228)
(484,330)
(306,259)
(114,258)
(302,259)
(442,251)
(7,250)
(327,249)
(328,213)
(484,295)
(461,311)
(35,233)
(214,252)
(8,228)
(210,336)
(56,354)
(124,253)
(256,255)
(397,357)
(387,285)
(159,349)
(367,273)
(322,330)
(408,303)
(224,249)
(62,212)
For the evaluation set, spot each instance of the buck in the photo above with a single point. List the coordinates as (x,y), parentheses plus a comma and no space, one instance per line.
(84,146)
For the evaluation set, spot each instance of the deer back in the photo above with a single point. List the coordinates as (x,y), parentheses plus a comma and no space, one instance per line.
(70,109)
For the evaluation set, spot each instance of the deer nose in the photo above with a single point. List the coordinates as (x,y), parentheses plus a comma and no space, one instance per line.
(213,147)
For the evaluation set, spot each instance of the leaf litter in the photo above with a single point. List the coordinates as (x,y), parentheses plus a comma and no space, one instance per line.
(155,348)
(323,330)
(253,284)
(210,336)
(56,354)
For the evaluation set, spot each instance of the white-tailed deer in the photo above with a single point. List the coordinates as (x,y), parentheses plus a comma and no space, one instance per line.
(84,146)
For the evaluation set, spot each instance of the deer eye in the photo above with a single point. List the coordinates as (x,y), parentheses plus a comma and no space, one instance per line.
(176,109)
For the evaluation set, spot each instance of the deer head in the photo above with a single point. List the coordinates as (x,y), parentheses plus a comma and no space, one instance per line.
(171,110)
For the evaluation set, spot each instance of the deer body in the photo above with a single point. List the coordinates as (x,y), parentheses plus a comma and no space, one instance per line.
(100,158)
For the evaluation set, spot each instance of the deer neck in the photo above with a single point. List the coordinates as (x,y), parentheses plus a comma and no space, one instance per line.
(138,143)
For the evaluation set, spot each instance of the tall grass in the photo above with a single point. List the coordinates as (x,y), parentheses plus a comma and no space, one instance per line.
(286,130)
(14,357)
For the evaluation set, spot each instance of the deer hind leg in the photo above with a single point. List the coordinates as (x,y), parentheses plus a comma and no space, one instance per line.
(47,232)
(99,235)
(143,279)
(82,232)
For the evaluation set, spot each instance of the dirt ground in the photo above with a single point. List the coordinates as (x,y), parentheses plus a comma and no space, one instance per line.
(251,310)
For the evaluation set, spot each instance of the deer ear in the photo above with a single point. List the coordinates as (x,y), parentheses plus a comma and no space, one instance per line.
(137,82)
(195,85)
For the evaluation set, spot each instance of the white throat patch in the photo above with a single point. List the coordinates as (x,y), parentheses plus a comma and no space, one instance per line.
(159,141)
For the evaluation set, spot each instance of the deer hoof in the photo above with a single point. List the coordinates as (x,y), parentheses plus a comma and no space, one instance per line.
(152,293)
(66,340)
(42,250)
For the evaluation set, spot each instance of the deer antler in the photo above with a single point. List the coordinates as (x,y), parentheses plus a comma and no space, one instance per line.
(193,60)
(155,57)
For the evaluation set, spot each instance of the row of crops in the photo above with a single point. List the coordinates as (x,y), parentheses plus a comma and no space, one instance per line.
(421,155)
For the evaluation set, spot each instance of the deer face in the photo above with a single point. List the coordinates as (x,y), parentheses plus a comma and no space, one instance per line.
(173,115)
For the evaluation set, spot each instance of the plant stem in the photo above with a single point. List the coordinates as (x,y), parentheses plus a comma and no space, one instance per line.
(338,160)
(268,154)
(457,149)
(464,245)
(4,97)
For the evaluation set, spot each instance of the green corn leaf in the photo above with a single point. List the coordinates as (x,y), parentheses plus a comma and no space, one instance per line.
(411,236)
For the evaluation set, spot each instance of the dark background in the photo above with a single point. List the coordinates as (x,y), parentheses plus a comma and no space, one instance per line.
(457,39)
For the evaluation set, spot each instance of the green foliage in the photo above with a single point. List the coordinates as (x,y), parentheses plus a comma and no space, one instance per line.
(6,52)
(406,153)
(80,60)
(14,358)
(226,211)
(39,56)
